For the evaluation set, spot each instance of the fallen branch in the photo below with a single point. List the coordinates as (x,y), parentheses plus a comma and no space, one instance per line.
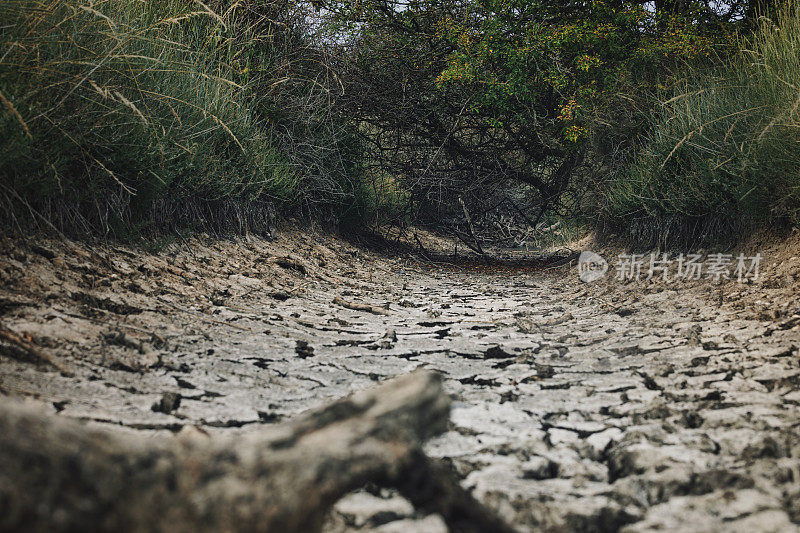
(290,263)
(59,474)
(31,352)
(203,316)
(422,249)
(117,324)
(461,237)
(374,309)
(471,228)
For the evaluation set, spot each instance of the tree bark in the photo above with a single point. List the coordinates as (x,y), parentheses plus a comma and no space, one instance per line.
(57,474)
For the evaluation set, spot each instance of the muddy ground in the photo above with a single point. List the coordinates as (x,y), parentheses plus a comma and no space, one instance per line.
(579,407)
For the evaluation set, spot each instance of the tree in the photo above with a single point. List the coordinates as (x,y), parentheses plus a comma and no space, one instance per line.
(457,96)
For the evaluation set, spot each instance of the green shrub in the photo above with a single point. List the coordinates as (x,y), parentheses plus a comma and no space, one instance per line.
(110,110)
(723,154)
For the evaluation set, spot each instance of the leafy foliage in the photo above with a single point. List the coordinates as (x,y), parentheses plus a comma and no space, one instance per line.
(123,115)
(459,96)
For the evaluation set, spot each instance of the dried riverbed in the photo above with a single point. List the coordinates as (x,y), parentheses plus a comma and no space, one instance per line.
(578,407)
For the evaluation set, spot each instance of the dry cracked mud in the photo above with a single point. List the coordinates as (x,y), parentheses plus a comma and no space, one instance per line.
(602,407)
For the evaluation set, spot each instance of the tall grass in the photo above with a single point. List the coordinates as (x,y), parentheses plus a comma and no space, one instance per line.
(117,115)
(724,155)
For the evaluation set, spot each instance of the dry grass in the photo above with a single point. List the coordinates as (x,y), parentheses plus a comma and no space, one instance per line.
(723,155)
(111,107)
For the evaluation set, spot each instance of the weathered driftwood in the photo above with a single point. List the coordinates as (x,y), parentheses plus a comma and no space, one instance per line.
(361,307)
(57,474)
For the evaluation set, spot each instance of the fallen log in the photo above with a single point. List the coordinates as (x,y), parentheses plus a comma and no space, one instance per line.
(57,474)
(355,306)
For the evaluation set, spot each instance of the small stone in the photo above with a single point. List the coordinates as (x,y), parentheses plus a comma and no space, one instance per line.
(496,352)
(363,509)
(303,349)
(169,402)
(557,436)
(539,468)
(599,442)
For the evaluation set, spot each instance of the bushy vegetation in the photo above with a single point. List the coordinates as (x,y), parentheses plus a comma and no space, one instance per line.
(507,102)
(123,116)
(723,154)
(120,115)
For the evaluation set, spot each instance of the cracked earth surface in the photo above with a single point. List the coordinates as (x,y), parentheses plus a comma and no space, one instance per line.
(577,407)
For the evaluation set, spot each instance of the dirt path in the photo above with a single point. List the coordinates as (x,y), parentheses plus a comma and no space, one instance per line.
(579,408)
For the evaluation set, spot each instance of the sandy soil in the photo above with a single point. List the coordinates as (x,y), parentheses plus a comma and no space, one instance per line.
(634,406)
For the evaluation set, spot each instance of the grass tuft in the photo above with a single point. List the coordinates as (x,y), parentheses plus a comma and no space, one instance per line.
(723,154)
(110,110)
